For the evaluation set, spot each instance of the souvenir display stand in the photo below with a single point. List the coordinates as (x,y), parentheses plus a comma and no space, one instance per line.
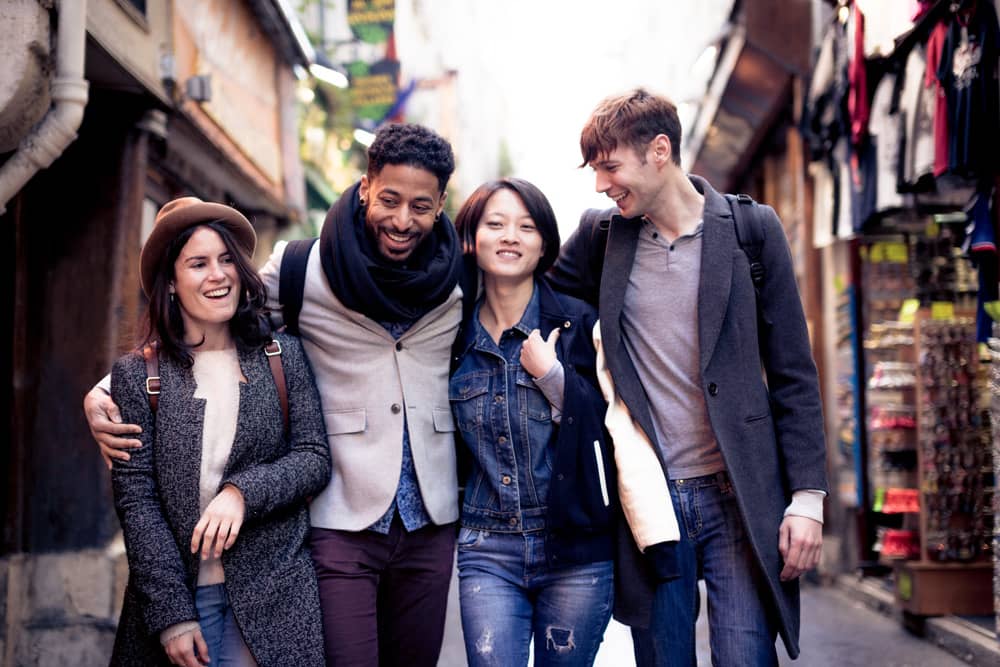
(953,571)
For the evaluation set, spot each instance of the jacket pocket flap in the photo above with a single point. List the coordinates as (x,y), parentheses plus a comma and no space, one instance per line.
(444,422)
(468,386)
(345,421)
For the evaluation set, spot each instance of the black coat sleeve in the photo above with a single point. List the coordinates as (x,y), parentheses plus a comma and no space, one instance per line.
(577,270)
(786,353)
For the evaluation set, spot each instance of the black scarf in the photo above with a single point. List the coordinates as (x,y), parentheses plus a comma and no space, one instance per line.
(383,290)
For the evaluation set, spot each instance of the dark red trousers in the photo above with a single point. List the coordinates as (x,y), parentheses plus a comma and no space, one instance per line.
(383,597)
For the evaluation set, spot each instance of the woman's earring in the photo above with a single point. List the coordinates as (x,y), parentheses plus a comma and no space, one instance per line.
(362,200)
(173,297)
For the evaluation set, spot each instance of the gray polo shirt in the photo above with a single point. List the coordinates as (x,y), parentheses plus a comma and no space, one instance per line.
(660,326)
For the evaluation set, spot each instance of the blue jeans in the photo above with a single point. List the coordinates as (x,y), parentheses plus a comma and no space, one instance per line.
(218,626)
(508,593)
(714,546)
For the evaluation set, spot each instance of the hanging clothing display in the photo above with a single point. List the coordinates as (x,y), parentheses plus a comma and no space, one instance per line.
(968,75)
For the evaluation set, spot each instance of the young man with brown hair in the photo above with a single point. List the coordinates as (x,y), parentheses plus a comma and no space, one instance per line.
(687,332)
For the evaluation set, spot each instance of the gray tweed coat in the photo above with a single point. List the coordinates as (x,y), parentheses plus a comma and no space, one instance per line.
(770,433)
(269,575)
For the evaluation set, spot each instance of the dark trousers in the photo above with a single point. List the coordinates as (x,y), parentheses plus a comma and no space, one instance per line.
(383,597)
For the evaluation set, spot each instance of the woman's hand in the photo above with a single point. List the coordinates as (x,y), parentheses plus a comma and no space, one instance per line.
(188,649)
(220,523)
(538,355)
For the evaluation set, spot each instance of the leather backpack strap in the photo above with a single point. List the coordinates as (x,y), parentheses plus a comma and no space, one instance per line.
(152,375)
(273,352)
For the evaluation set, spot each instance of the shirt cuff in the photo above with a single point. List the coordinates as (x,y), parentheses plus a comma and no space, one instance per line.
(552,385)
(176,630)
(807,503)
(104,384)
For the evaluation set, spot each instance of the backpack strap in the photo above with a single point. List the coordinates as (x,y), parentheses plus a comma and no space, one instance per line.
(749,234)
(152,375)
(273,352)
(599,234)
(292,282)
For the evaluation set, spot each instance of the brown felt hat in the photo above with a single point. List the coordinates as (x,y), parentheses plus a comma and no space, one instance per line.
(178,215)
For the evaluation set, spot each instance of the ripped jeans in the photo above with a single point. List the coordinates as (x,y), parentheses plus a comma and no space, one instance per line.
(508,594)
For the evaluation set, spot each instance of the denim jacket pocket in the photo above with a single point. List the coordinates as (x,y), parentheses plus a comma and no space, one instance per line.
(533,399)
(467,394)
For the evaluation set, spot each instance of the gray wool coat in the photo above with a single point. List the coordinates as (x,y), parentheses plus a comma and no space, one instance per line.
(771,434)
(270,579)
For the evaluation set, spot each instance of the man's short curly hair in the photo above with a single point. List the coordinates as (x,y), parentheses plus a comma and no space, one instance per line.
(633,120)
(412,145)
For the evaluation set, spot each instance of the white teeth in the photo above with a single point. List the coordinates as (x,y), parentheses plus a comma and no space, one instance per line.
(509,253)
(399,238)
(618,198)
(222,291)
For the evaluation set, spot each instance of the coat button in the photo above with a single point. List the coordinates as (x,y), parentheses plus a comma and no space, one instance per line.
(395,408)
(713,389)
(399,346)
(569,420)
(560,477)
(505,480)
(513,521)
(566,324)
(502,439)
(498,398)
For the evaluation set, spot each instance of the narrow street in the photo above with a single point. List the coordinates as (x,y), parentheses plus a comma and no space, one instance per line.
(836,632)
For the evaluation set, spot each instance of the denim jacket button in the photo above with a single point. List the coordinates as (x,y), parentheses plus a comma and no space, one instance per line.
(560,477)
(498,398)
(566,324)
(513,521)
(502,439)
(505,479)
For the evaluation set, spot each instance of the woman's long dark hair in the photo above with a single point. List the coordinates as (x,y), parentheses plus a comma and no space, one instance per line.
(165,326)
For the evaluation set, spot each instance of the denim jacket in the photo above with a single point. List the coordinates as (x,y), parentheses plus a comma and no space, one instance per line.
(527,472)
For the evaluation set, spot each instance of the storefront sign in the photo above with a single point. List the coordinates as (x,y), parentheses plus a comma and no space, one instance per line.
(371,20)
(374,88)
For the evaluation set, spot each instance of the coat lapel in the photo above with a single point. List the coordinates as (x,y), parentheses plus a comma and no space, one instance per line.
(718,243)
(182,416)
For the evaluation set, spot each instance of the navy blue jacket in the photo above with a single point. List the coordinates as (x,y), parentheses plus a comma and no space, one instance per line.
(578,522)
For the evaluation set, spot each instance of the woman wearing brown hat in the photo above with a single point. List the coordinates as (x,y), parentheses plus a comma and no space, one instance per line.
(213,505)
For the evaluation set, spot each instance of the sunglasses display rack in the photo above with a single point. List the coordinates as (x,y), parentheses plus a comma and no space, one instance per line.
(994,382)
(952,569)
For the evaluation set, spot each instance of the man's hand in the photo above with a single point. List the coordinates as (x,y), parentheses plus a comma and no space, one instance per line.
(800,541)
(105,422)
(188,649)
(220,524)
(537,355)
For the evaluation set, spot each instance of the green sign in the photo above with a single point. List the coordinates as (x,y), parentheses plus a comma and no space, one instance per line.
(371,20)
(373,88)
